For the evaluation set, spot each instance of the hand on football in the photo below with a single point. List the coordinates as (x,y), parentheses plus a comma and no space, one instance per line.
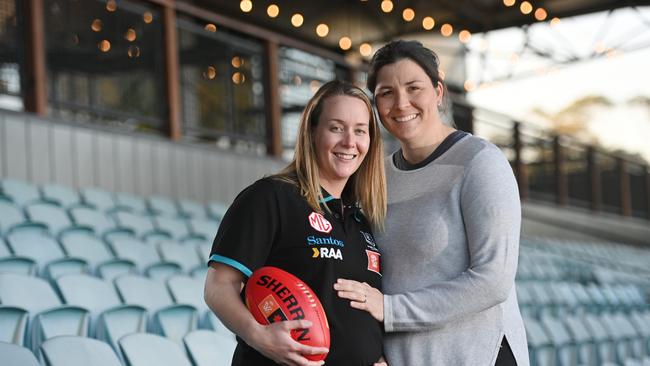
(362,296)
(274,341)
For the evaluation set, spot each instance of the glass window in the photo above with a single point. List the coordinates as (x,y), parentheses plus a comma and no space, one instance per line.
(222,83)
(105,62)
(11,55)
(301,74)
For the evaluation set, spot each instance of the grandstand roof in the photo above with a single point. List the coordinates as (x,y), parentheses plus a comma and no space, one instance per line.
(364,20)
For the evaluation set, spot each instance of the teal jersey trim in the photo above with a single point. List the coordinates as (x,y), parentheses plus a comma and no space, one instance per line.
(231,262)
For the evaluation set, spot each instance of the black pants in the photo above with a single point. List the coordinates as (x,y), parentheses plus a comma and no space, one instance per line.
(505,356)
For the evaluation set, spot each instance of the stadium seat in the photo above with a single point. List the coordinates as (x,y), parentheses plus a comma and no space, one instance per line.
(45,251)
(98,199)
(111,318)
(582,338)
(641,322)
(602,338)
(49,317)
(20,265)
(10,216)
(62,267)
(145,256)
(13,324)
(168,319)
(140,225)
(216,210)
(20,192)
(86,246)
(112,269)
(98,221)
(130,203)
(60,195)
(142,349)
(54,217)
(77,351)
(206,229)
(565,349)
(173,227)
(540,347)
(207,348)
(162,206)
(184,256)
(189,290)
(192,209)
(15,355)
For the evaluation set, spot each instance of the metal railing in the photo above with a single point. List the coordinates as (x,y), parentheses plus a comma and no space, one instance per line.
(560,169)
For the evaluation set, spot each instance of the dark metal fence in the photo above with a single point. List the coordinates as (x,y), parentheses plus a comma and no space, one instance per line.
(568,172)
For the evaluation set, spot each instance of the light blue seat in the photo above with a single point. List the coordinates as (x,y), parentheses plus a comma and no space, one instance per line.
(175,228)
(60,195)
(16,264)
(49,318)
(140,225)
(145,256)
(111,318)
(110,270)
(566,351)
(192,209)
(602,338)
(10,216)
(13,324)
(597,297)
(525,298)
(540,346)
(142,349)
(208,348)
(169,319)
(206,229)
(189,290)
(216,210)
(77,351)
(628,344)
(98,199)
(20,192)
(98,221)
(15,355)
(641,322)
(583,339)
(130,203)
(162,206)
(182,255)
(46,252)
(86,246)
(563,291)
(54,217)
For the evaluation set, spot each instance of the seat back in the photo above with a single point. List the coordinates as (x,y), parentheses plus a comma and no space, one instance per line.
(15,355)
(142,349)
(207,348)
(77,351)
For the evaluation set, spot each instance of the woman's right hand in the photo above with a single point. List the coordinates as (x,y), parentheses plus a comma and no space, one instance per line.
(274,341)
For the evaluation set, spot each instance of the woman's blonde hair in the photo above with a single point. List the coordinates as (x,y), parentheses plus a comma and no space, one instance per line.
(367,185)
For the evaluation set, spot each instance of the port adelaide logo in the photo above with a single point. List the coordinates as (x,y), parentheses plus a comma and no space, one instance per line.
(320,223)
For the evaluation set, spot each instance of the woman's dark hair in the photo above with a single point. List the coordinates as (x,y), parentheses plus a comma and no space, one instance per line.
(398,50)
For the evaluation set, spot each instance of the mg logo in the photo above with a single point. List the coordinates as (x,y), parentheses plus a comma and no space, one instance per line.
(318,222)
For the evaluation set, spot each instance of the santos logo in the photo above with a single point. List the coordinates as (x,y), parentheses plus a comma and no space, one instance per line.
(315,240)
(328,253)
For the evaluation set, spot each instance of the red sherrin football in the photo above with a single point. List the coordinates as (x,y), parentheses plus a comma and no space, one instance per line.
(274,295)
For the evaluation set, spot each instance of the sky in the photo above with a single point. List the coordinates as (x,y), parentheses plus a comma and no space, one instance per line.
(619,74)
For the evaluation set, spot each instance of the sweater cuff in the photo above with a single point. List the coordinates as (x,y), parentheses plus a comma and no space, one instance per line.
(388,314)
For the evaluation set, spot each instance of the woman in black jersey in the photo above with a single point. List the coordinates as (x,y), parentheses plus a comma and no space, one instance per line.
(313,220)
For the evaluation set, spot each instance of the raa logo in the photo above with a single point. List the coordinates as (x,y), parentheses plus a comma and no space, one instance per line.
(328,253)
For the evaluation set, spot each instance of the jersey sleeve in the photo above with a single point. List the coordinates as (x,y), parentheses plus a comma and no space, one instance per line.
(248,229)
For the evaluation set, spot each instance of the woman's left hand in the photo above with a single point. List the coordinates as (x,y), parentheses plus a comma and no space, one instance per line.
(363,296)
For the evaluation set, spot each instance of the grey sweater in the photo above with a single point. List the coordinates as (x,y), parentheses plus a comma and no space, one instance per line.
(450,250)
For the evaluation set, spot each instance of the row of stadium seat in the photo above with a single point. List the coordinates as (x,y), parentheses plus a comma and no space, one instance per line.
(23,193)
(589,339)
(35,252)
(57,221)
(200,348)
(82,305)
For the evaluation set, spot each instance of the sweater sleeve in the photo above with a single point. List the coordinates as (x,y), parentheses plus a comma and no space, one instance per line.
(491,212)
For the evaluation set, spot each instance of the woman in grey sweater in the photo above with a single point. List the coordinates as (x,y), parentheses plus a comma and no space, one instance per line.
(451,238)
